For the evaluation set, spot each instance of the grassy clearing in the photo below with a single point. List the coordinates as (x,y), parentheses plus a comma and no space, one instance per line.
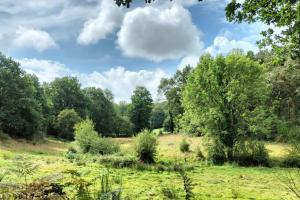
(211,182)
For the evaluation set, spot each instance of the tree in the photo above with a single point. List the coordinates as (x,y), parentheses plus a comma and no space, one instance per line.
(65,122)
(100,110)
(282,14)
(225,96)
(157,117)
(140,108)
(172,89)
(65,93)
(20,110)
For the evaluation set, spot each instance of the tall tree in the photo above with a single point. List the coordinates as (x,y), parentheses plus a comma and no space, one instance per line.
(20,110)
(226,98)
(140,108)
(66,93)
(172,89)
(100,109)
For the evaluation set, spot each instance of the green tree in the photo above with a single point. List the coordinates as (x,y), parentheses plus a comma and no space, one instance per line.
(100,110)
(157,117)
(20,110)
(140,108)
(282,14)
(65,122)
(65,93)
(172,89)
(226,98)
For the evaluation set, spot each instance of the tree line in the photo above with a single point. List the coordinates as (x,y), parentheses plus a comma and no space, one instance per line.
(29,109)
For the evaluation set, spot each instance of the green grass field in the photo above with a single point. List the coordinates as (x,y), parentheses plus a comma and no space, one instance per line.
(210,182)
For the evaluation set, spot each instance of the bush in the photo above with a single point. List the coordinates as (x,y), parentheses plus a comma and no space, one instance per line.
(3,136)
(251,153)
(293,158)
(145,146)
(199,154)
(64,123)
(184,146)
(118,161)
(216,153)
(104,146)
(89,141)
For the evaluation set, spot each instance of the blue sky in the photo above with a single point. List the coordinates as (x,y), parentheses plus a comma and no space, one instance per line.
(117,48)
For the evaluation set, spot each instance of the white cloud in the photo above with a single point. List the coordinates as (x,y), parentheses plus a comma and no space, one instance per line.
(109,18)
(45,70)
(158,34)
(188,60)
(222,45)
(33,38)
(120,81)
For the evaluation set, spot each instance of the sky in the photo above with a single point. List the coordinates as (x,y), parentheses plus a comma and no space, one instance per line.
(118,48)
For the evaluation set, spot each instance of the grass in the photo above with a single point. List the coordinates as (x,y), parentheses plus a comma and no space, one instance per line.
(211,182)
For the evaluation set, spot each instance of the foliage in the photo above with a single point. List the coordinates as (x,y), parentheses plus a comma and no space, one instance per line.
(251,153)
(184,146)
(172,89)
(3,136)
(100,110)
(225,96)
(157,117)
(65,122)
(167,125)
(140,108)
(42,190)
(123,126)
(283,15)
(216,153)
(89,140)
(145,146)
(199,155)
(293,158)
(23,168)
(65,93)
(169,193)
(187,185)
(118,161)
(84,190)
(20,111)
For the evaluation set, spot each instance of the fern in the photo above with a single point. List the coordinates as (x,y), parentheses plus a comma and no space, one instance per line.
(187,185)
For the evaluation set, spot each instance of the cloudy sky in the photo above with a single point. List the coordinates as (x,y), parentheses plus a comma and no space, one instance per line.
(117,48)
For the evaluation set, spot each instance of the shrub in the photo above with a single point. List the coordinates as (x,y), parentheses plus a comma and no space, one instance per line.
(118,161)
(293,158)
(3,136)
(89,141)
(42,190)
(169,192)
(199,154)
(145,146)
(184,146)
(251,153)
(216,153)
(64,123)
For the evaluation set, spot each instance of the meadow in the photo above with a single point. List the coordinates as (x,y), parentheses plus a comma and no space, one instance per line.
(209,181)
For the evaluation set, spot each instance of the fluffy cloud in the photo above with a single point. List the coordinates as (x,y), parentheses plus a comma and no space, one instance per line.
(188,60)
(158,34)
(120,81)
(33,38)
(222,45)
(45,70)
(109,18)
